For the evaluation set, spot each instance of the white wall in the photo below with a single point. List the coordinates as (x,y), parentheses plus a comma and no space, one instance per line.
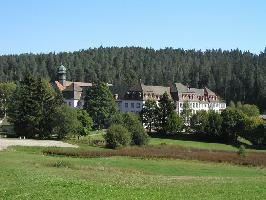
(74,103)
(131,105)
(196,106)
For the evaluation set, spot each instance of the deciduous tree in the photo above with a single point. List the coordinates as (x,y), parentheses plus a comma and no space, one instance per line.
(99,103)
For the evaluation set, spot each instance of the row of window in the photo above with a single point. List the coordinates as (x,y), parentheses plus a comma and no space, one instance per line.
(195,111)
(197,105)
(132,105)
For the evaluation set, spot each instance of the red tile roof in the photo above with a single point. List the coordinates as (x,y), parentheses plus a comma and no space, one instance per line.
(59,86)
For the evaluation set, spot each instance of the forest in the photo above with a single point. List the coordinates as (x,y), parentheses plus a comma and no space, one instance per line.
(234,75)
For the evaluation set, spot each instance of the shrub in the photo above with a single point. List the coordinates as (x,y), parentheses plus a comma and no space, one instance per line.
(67,122)
(135,128)
(117,118)
(60,164)
(117,136)
(139,135)
(242,151)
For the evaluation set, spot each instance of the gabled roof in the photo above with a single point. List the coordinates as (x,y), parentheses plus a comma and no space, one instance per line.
(181,88)
(69,83)
(73,87)
(136,87)
(209,91)
(198,92)
(59,86)
(156,90)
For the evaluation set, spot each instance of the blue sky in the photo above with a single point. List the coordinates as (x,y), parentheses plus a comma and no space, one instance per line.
(67,25)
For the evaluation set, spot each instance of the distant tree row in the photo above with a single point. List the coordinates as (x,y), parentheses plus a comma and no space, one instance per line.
(240,120)
(234,75)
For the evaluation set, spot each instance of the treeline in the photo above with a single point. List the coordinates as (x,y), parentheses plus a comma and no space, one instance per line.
(234,75)
(235,122)
(37,110)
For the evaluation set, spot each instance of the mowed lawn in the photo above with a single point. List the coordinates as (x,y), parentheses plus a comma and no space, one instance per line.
(27,174)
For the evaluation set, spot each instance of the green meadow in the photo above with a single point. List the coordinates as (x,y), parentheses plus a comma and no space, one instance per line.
(27,174)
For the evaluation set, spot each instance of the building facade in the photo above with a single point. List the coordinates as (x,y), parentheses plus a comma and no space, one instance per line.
(135,97)
(73,92)
(198,99)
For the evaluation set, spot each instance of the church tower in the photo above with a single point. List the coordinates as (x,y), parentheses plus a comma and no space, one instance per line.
(62,74)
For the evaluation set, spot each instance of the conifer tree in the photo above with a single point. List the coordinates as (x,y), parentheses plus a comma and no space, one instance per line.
(165,108)
(32,108)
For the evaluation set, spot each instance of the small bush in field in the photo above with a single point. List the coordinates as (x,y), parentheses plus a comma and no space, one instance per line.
(242,151)
(117,136)
(135,128)
(60,164)
(139,135)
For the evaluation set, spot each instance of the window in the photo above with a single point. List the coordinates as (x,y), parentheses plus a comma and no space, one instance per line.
(193,105)
(79,104)
(138,105)
(132,105)
(126,105)
(69,103)
(181,105)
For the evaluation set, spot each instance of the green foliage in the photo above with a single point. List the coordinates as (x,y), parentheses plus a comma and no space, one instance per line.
(99,103)
(149,114)
(256,132)
(213,127)
(186,114)
(249,110)
(164,110)
(242,151)
(66,122)
(199,121)
(117,136)
(239,76)
(175,123)
(124,178)
(135,128)
(132,123)
(233,124)
(208,123)
(117,118)
(232,104)
(86,122)
(31,108)
(6,91)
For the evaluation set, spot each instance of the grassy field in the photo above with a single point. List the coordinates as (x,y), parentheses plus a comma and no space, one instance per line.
(162,141)
(193,144)
(27,174)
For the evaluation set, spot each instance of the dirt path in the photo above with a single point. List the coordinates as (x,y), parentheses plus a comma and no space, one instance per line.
(4,143)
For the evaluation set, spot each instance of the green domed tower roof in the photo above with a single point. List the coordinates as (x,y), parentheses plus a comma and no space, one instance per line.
(61,69)
(61,73)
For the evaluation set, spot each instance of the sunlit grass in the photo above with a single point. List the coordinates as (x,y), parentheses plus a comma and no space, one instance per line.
(27,174)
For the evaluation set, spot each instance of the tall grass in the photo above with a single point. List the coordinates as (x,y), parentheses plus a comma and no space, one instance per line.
(172,152)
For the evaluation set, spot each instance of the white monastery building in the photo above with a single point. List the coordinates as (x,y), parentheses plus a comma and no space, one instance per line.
(134,98)
(198,99)
(72,92)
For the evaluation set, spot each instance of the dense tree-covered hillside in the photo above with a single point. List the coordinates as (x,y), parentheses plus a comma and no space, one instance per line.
(234,75)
